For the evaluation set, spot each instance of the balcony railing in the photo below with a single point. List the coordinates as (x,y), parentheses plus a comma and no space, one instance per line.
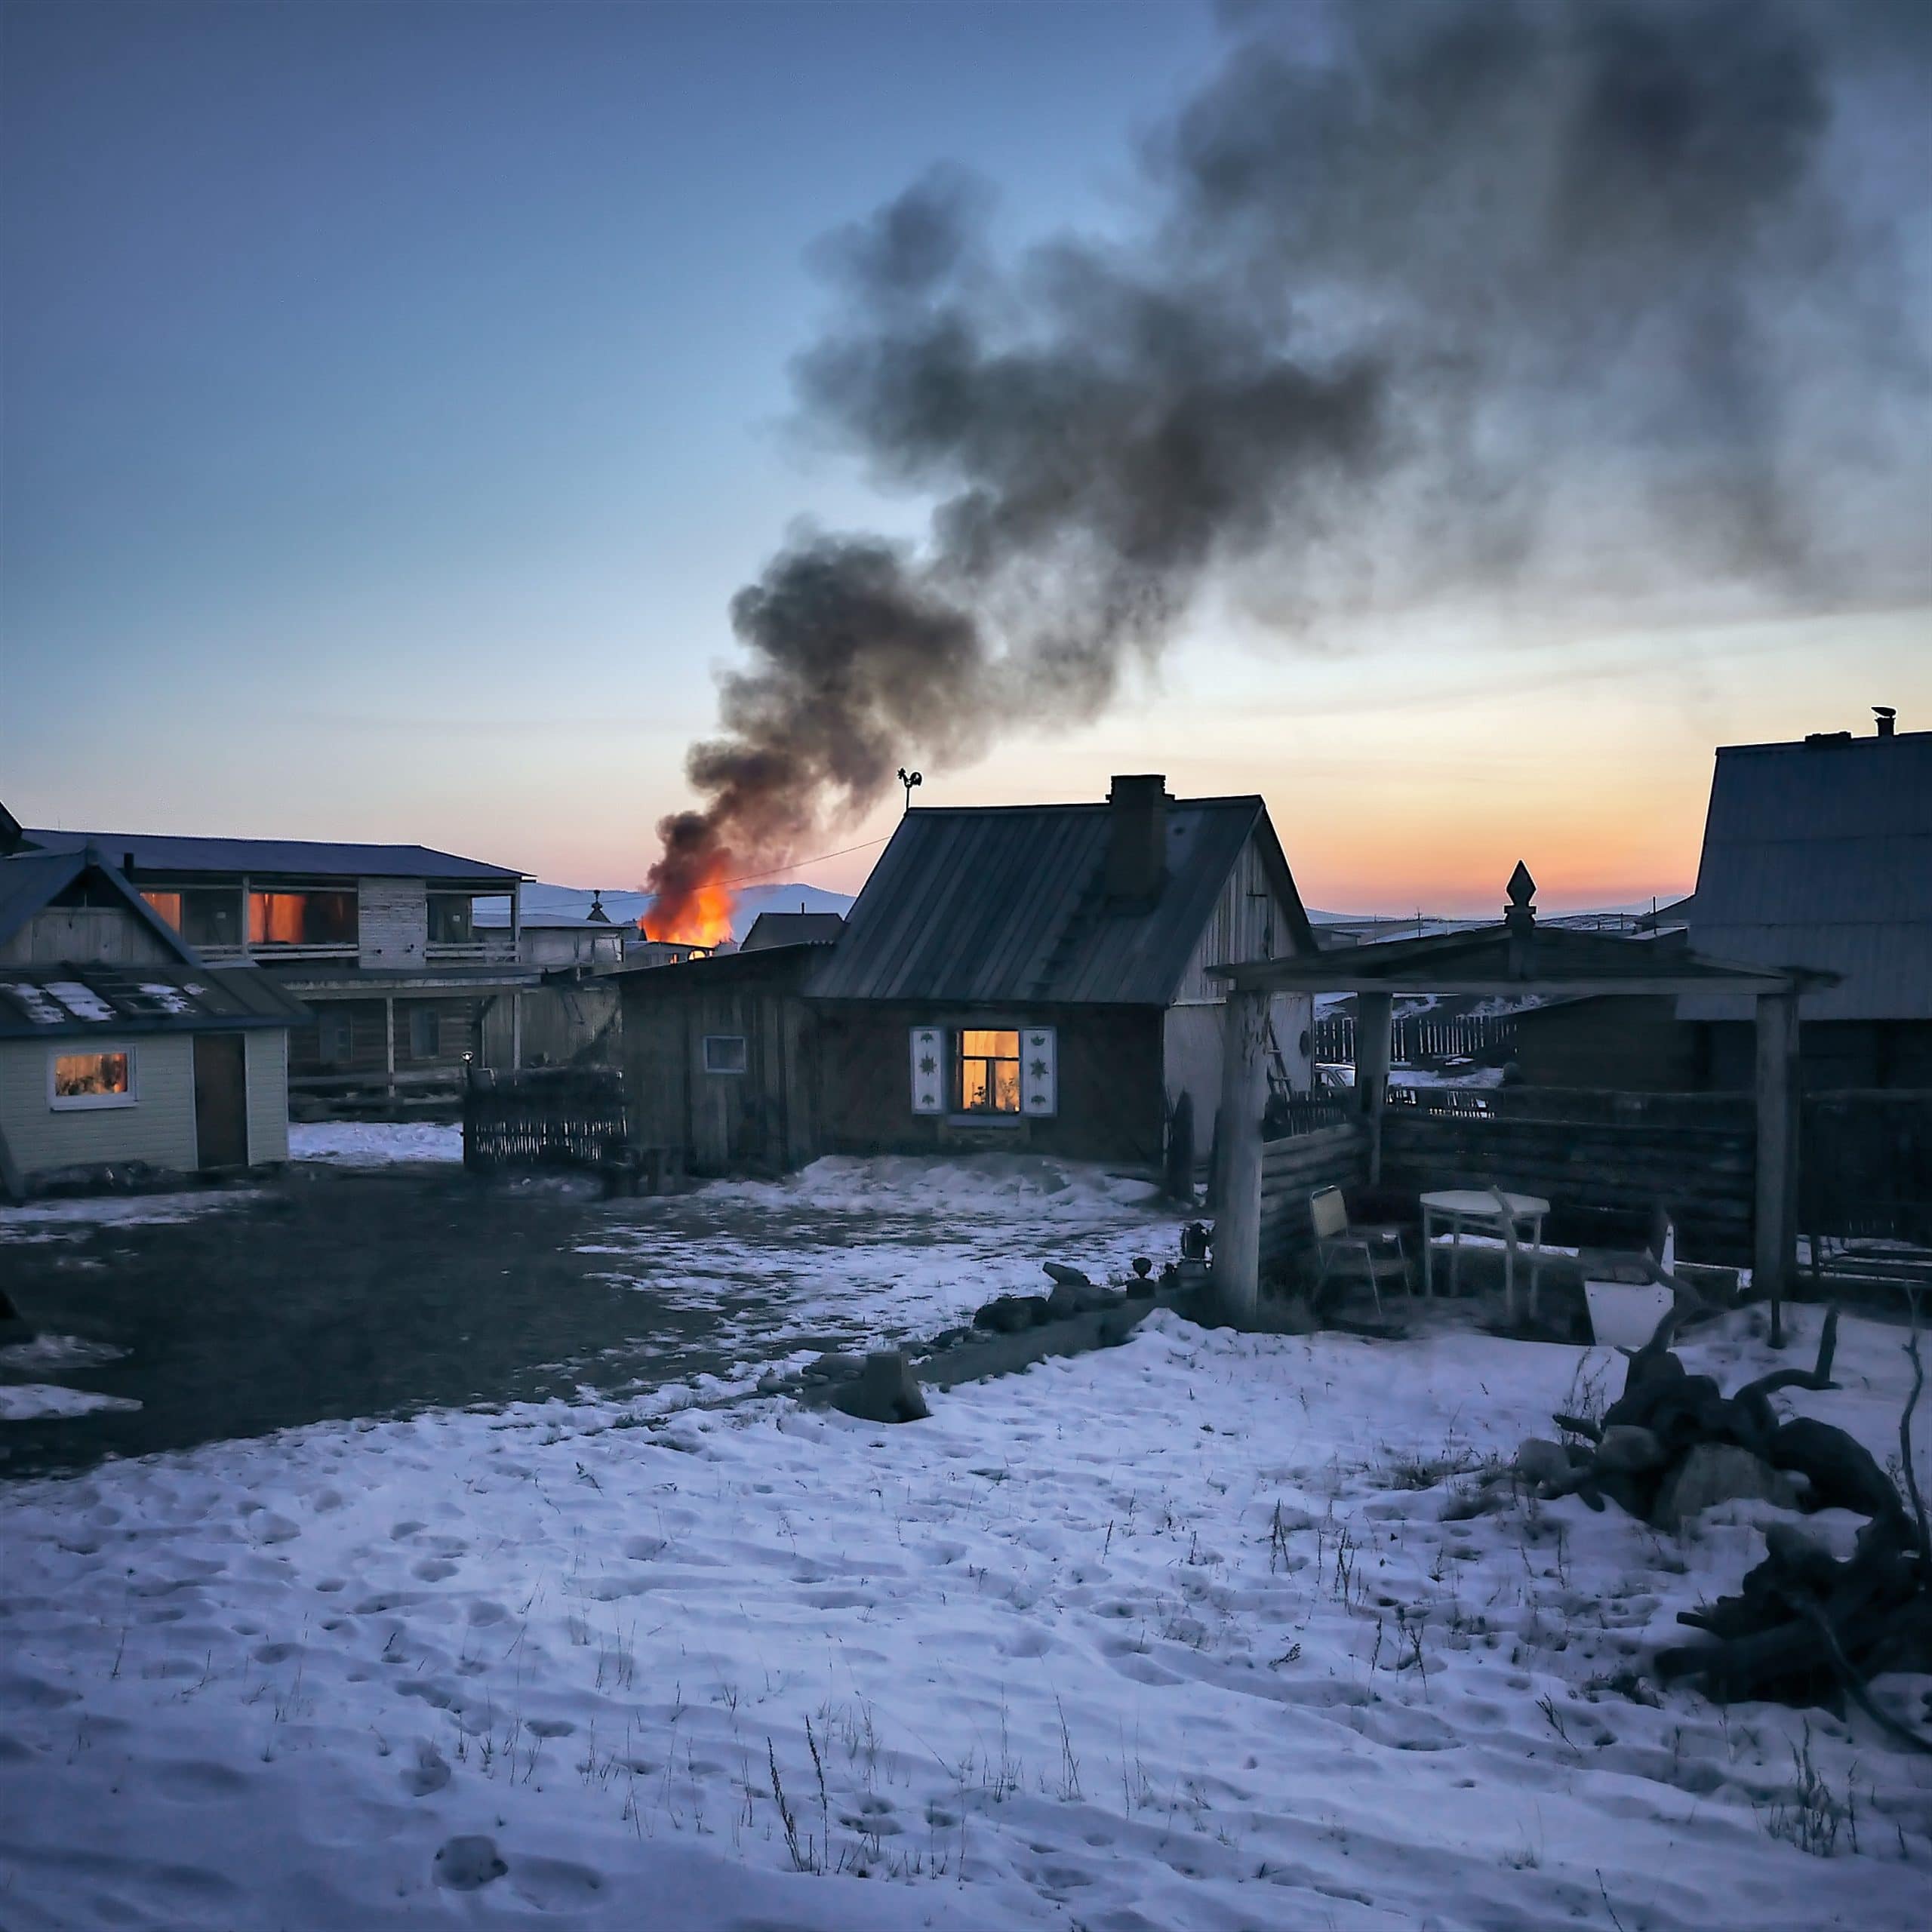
(473,952)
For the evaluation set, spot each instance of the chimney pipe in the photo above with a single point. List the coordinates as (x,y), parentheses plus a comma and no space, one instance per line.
(1888,720)
(1138,838)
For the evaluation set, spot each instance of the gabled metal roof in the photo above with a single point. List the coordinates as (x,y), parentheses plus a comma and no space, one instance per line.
(30,881)
(1007,904)
(1819,854)
(770,929)
(156,856)
(84,1001)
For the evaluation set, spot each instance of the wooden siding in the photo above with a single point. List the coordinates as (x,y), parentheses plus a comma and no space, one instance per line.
(86,935)
(1603,1178)
(268,1097)
(159,1128)
(368,1054)
(1111,1102)
(1631,1043)
(392,922)
(764,1119)
(1291,1170)
(1250,920)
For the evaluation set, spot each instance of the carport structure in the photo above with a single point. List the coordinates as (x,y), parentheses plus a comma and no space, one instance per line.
(1514,959)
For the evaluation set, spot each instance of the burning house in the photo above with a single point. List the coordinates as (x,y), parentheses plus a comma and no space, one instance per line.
(1030,976)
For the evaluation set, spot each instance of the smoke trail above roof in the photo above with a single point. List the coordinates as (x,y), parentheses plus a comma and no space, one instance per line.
(1622,299)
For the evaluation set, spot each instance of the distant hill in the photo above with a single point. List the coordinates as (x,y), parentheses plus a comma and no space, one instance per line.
(544,901)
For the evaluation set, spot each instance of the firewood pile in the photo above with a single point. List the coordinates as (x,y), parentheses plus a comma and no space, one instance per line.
(1804,1626)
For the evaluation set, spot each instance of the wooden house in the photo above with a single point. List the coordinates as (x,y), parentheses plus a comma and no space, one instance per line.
(1033,977)
(1817,856)
(119,1046)
(380,942)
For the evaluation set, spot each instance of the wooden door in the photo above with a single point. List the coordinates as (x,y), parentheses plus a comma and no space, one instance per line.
(221,1100)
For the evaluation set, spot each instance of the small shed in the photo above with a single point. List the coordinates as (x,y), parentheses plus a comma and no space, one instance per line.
(718,1060)
(119,1046)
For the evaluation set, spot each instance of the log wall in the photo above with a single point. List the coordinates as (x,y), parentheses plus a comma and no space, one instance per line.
(1603,1178)
(1292,1170)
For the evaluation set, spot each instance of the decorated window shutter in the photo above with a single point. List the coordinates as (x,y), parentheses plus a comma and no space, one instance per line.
(928,1070)
(1039,1072)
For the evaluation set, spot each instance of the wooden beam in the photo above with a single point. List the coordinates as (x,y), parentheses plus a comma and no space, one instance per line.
(1778,1097)
(1264,975)
(1243,1098)
(1375,1026)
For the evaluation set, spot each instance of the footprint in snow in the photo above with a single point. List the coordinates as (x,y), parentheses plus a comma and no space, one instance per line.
(430,1774)
(467,1864)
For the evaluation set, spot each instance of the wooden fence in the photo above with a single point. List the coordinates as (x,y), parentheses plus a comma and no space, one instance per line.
(1420,1036)
(1606,1161)
(1291,1170)
(571,1117)
(1604,1169)
(1866,1166)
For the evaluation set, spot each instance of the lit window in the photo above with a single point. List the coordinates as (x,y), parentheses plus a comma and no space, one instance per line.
(988,1072)
(301,918)
(91,1080)
(203,915)
(724,1053)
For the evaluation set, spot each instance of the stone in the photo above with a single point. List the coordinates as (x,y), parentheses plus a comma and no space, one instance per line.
(833,1366)
(1715,1472)
(1062,1276)
(1068,1300)
(1008,1315)
(1539,1461)
(1627,1449)
(884,1390)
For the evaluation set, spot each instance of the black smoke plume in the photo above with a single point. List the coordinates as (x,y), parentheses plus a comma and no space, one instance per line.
(1602,304)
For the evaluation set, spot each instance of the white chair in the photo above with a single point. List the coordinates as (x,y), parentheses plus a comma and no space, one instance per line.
(1371,1252)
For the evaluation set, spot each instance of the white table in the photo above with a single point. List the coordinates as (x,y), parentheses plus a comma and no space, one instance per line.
(1485,1211)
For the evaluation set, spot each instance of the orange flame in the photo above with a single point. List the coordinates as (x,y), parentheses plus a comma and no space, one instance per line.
(703,917)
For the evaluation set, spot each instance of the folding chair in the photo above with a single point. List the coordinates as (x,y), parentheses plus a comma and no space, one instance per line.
(1371,1252)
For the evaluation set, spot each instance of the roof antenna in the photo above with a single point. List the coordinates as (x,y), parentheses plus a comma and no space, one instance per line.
(909,779)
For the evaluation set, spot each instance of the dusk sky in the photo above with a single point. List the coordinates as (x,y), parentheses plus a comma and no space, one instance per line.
(395,397)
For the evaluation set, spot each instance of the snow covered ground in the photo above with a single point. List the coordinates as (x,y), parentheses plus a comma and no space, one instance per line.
(62,1220)
(1200,1632)
(374,1143)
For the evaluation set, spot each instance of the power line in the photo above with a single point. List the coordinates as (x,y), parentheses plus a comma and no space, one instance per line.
(794,864)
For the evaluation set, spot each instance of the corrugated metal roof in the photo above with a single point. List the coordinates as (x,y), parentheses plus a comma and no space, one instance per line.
(56,1002)
(770,929)
(1820,855)
(1006,904)
(157,856)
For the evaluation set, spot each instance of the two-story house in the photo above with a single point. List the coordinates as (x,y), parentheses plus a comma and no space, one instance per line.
(380,943)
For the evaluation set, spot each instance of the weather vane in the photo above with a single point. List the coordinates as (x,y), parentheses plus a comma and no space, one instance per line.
(909,779)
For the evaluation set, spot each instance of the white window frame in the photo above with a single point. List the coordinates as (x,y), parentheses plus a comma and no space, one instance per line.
(741,1041)
(75,1103)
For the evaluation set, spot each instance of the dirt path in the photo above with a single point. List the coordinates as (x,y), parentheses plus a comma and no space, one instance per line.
(343,1293)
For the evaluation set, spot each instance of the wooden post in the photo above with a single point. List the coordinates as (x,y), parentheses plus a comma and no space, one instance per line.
(1374,1025)
(388,1042)
(1243,1098)
(516,1031)
(1776,1241)
(516,922)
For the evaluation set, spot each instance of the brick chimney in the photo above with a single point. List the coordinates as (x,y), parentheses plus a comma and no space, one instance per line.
(1138,838)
